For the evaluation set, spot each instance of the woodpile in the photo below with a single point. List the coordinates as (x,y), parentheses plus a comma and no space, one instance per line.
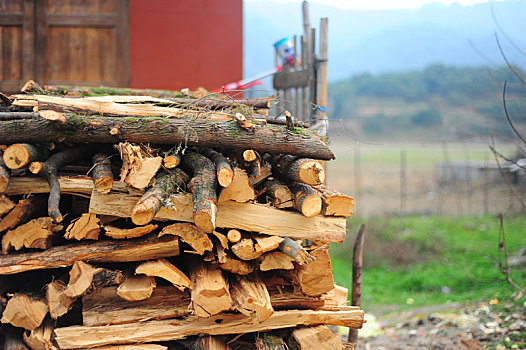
(140,222)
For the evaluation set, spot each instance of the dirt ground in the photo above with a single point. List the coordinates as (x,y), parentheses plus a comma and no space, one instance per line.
(447,327)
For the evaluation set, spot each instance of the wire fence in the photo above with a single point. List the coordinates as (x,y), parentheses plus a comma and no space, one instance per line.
(457,179)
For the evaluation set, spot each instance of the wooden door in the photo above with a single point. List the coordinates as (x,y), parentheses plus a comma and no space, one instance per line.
(83,42)
(17,43)
(64,42)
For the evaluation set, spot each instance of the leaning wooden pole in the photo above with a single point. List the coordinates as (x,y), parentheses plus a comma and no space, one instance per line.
(356,296)
(156,130)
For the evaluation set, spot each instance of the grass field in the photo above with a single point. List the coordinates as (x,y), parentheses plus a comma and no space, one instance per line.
(413,261)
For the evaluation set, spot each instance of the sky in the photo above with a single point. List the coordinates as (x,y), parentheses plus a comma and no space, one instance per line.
(384,4)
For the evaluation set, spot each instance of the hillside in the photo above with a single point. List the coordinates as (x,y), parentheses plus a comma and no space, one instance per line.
(390,40)
(439,102)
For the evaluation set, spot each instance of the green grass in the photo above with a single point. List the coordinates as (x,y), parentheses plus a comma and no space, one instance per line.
(431,260)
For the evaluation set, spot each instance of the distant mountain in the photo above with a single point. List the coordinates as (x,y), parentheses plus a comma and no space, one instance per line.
(391,40)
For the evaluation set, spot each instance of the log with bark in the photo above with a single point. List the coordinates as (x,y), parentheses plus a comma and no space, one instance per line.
(19,155)
(306,200)
(203,188)
(295,251)
(264,138)
(224,171)
(166,184)
(144,248)
(295,169)
(23,210)
(245,249)
(49,169)
(84,278)
(5,174)
(280,195)
(101,173)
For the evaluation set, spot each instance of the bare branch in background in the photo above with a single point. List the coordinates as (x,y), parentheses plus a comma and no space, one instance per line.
(502,247)
(507,114)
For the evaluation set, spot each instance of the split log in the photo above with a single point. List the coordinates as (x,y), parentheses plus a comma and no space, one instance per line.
(24,312)
(144,248)
(221,255)
(24,209)
(224,172)
(264,138)
(334,202)
(19,155)
(171,161)
(211,102)
(6,205)
(336,297)
(164,269)
(5,175)
(36,233)
(105,306)
(267,243)
(84,278)
(136,287)
(223,240)
(316,278)
(40,338)
(52,116)
(250,296)
(306,200)
(318,337)
(234,235)
(295,251)
(123,233)
(132,347)
(76,337)
(104,106)
(71,185)
(280,195)
(294,169)
(57,300)
(137,170)
(190,234)
(236,266)
(245,249)
(203,188)
(165,185)
(85,227)
(275,261)
(31,86)
(101,173)
(13,338)
(210,294)
(240,190)
(49,169)
(245,216)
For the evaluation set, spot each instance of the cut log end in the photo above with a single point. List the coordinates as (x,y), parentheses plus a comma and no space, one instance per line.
(35,167)
(234,235)
(312,173)
(249,155)
(205,219)
(16,156)
(104,184)
(311,206)
(142,216)
(172,161)
(225,177)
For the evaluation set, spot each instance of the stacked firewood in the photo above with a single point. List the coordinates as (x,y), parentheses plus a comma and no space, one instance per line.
(148,222)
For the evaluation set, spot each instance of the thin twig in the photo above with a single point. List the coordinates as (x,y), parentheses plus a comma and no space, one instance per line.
(510,66)
(507,114)
(503,174)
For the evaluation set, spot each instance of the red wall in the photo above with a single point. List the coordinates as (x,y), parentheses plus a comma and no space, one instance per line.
(185,43)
